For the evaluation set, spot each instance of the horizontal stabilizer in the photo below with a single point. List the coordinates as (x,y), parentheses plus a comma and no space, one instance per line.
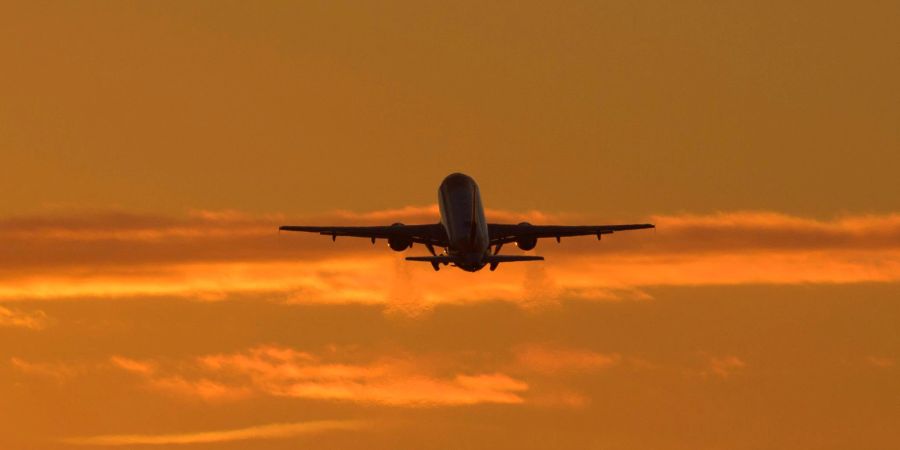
(438,259)
(511,258)
(435,261)
(495,260)
(488,258)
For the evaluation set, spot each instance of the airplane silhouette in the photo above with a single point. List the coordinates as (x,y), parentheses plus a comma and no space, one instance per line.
(463,232)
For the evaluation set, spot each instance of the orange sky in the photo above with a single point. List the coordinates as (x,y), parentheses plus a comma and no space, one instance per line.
(150,150)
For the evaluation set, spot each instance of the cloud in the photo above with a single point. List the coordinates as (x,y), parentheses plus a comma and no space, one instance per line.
(768,231)
(881,362)
(270,431)
(217,255)
(285,372)
(56,371)
(401,380)
(535,374)
(722,366)
(133,365)
(550,360)
(34,320)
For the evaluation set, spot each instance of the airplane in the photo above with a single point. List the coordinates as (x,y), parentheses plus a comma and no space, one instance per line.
(463,233)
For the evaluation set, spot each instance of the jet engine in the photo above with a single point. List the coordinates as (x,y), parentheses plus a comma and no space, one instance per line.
(526,243)
(399,244)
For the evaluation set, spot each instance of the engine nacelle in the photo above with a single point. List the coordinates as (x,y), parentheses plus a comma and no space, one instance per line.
(526,243)
(399,244)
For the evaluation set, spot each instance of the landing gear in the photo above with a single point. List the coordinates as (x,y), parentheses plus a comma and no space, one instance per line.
(436,265)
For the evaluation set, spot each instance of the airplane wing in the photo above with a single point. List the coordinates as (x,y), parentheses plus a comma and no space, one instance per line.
(505,233)
(432,234)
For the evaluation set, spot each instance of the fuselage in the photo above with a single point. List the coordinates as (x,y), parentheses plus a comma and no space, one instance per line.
(462,216)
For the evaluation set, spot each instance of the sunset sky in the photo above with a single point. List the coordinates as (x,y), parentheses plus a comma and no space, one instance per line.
(151,149)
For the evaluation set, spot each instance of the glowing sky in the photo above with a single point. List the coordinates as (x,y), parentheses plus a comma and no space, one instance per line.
(151,149)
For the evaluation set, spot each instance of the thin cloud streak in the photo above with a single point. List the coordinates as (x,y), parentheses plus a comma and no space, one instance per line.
(549,360)
(285,372)
(270,431)
(56,371)
(215,255)
(882,362)
(529,375)
(32,320)
(725,366)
